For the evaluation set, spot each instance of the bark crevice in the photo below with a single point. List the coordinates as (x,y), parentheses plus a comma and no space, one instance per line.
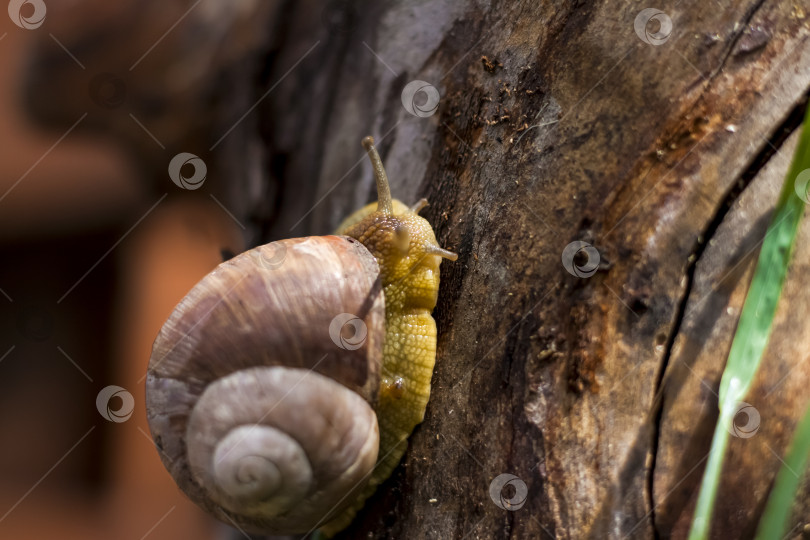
(768,149)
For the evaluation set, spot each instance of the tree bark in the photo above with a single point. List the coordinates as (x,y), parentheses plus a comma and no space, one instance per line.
(555,124)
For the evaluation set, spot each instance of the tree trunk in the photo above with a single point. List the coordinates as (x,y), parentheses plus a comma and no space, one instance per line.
(662,148)
(559,124)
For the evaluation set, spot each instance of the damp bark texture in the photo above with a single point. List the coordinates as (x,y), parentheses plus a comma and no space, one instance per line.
(662,147)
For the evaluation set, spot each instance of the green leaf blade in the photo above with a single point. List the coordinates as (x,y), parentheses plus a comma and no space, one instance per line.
(756,322)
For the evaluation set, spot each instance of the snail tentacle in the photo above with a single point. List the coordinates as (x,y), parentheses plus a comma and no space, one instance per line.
(264,391)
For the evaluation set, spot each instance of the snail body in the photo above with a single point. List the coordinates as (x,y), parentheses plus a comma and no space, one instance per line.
(282,389)
(405,247)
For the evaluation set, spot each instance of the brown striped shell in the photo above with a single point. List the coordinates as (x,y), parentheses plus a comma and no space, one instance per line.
(258,398)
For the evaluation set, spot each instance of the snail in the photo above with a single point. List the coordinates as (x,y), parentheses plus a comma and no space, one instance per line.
(283,387)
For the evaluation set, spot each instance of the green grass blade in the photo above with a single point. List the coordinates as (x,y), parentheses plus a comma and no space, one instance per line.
(774,520)
(754,327)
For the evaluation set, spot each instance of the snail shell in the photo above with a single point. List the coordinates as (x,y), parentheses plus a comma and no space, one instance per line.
(262,405)
(261,414)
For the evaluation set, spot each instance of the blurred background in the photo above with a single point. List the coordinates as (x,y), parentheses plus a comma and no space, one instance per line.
(144,141)
(98,245)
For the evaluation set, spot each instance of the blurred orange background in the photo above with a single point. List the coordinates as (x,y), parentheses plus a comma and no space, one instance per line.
(93,261)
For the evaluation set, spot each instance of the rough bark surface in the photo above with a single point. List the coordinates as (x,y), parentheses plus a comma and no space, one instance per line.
(556,123)
(652,154)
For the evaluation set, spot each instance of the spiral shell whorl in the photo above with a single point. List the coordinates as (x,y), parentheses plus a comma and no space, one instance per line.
(259,415)
(277,441)
(260,464)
